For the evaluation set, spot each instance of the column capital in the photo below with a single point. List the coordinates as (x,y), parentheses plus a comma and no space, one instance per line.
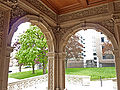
(51,54)
(116,18)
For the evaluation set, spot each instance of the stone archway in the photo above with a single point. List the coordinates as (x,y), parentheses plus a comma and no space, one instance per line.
(45,28)
(94,26)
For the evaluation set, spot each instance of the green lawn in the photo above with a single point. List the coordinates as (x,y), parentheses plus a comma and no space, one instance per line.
(95,73)
(26,74)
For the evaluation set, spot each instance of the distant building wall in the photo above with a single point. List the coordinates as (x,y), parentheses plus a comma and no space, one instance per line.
(75,64)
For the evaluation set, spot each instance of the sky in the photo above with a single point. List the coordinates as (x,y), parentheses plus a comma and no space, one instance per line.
(21,28)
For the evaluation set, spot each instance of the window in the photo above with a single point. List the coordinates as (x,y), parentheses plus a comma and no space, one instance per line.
(94,54)
(95,58)
(102,39)
(102,47)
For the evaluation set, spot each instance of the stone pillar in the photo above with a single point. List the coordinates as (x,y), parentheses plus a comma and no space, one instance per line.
(60,71)
(51,67)
(56,71)
(117,62)
(4,60)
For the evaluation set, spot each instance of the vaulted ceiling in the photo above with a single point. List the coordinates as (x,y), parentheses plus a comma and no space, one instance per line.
(65,6)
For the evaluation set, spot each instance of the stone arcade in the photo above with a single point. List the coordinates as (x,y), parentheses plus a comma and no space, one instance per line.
(57,27)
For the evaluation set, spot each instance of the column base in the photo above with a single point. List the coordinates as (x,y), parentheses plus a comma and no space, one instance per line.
(57,89)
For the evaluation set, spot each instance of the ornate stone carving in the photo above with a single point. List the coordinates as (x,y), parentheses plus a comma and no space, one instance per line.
(115,16)
(1,20)
(51,73)
(43,9)
(84,13)
(58,31)
(13,1)
(16,13)
(1,26)
(108,24)
(1,38)
(117,6)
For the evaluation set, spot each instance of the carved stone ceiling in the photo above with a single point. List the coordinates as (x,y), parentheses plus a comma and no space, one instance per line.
(65,6)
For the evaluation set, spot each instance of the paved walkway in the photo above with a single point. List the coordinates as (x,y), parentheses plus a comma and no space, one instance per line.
(94,85)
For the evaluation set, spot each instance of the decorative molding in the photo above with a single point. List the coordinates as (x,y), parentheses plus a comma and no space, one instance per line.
(84,13)
(43,9)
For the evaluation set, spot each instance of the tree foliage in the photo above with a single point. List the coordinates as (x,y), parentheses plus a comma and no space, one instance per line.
(33,47)
(74,47)
(107,48)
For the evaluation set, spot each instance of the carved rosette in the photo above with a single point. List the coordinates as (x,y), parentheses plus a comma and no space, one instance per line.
(84,13)
(43,9)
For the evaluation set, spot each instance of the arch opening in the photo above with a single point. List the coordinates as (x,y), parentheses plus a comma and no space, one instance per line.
(99,29)
(44,29)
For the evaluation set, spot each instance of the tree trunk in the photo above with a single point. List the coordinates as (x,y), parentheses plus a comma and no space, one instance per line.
(66,64)
(20,67)
(33,69)
(44,68)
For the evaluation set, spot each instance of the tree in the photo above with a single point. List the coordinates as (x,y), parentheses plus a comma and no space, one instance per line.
(73,48)
(33,48)
(107,50)
(16,46)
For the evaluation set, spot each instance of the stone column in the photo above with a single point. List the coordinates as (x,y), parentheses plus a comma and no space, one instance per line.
(51,56)
(4,63)
(56,71)
(117,62)
(60,71)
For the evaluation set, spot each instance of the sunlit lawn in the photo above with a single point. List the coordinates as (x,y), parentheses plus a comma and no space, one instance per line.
(95,73)
(26,74)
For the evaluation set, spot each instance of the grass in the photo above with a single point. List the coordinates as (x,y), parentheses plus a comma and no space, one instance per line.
(26,74)
(95,73)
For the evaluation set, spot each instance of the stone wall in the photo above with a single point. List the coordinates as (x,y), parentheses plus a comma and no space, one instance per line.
(75,64)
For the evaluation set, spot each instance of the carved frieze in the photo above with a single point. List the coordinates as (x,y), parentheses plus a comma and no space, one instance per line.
(117,6)
(43,9)
(84,13)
